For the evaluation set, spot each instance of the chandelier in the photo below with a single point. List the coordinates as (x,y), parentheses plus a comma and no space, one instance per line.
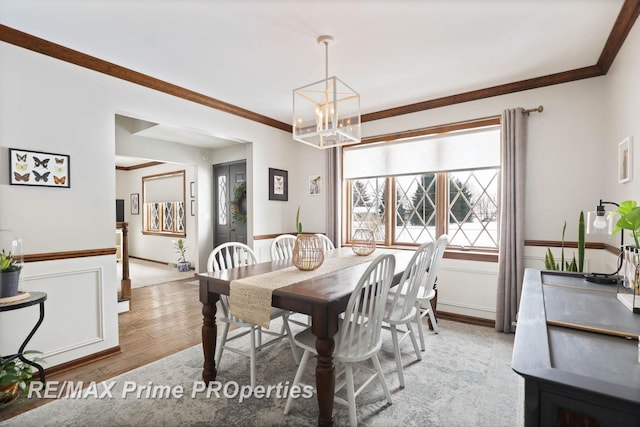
(326,113)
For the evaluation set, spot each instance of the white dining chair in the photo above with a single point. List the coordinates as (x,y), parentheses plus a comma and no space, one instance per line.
(401,304)
(231,255)
(427,291)
(282,247)
(359,334)
(327,244)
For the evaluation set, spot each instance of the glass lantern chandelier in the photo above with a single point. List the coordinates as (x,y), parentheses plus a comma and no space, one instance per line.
(326,113)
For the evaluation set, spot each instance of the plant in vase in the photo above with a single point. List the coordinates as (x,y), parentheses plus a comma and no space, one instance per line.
(15,376)
(629,212)
(629,220)
(307,252)
(10,268)
(183,264)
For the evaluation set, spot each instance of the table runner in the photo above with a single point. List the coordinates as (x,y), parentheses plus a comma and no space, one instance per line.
(250,298)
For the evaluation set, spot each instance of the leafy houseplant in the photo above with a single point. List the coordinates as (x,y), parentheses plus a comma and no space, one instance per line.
(9,274)
(629,212)
(183,264)
(15,376)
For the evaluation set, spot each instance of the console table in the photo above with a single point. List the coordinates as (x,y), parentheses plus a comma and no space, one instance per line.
(576,346)
(33,299)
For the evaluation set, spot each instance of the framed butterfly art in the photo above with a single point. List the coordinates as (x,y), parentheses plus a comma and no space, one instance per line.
(37,168)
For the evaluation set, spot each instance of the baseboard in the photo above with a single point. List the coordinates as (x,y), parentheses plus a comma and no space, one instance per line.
(73,364)
(124,306)
(149,260)
(461,318)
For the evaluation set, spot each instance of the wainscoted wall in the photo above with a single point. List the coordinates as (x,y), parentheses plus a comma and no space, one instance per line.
(468,288)
(80,310)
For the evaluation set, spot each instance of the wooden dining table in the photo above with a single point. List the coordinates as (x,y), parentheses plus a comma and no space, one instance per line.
(323,298)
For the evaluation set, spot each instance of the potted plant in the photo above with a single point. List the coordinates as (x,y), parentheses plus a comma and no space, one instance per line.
(307,251)
(9,274)
(15,376)
(183,264)
(629,212)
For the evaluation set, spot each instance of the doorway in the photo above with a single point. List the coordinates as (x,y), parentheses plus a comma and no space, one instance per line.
(230,202)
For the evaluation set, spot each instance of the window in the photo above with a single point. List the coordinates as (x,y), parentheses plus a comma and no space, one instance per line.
(163,204)
(411,191)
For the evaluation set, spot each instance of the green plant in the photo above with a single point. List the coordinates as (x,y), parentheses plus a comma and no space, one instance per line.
(581,242)
(573,265)
(8,262)
(298,223)
(181,249)
(15,373)
(629,212)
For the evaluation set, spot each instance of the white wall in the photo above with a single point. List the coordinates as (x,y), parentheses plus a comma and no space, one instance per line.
(622,101)
(49,105)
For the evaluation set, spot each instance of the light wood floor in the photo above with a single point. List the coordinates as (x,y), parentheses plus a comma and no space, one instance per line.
(163,320)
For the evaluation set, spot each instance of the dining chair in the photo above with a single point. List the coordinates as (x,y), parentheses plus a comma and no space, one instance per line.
(427,291)
(359,334)
(236,254)
(282,247)
(401,308)
(327,244)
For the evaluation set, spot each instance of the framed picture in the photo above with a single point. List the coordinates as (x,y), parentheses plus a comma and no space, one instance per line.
(192,190)
(625,161)
(315,185)
(278,185)
(37,168)
(135,204)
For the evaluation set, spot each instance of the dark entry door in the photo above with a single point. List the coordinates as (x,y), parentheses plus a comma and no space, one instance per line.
(230,196)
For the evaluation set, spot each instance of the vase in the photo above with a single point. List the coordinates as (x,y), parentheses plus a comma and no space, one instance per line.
(9,393)
(9,281)
(629,292)
(183,266)
(363,242)
(308,253)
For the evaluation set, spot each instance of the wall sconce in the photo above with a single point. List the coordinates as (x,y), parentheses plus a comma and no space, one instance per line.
(600,222)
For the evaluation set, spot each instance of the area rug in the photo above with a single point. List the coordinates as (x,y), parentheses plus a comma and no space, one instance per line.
(464,379)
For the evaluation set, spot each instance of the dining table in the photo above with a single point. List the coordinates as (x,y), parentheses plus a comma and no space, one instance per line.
(323,297)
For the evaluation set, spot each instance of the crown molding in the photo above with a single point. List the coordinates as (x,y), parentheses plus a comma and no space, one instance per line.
(621,28)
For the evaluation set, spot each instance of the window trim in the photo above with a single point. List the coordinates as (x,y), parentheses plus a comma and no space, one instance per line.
(442,193)
(145,218)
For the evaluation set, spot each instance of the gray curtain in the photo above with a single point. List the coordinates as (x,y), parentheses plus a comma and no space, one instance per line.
(334,195)
(511,239)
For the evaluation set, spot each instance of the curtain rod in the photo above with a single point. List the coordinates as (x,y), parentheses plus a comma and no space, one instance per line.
(464,124)
(539,109)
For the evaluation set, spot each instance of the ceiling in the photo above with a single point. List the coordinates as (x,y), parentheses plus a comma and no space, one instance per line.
(253,53)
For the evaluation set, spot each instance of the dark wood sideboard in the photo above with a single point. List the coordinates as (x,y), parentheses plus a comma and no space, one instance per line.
(576,346)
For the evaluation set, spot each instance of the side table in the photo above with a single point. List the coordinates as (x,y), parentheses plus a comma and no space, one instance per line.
(33,299)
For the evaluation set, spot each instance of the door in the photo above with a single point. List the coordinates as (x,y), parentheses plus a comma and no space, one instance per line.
(230,196)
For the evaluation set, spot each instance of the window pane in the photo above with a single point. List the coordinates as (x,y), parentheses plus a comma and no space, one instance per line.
(473,208)
(222,200)
(367,209)
(415,208)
